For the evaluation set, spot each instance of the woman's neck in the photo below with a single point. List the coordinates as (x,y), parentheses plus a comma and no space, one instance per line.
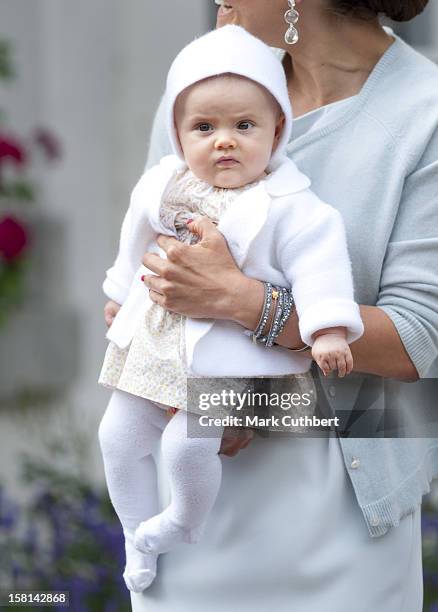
(333,61)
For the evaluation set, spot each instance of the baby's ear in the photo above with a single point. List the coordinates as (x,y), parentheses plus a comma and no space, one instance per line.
(278,130)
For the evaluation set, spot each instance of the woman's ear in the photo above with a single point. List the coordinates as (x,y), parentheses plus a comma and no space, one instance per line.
(278,130)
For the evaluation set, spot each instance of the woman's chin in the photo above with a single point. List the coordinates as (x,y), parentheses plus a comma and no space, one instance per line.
(225,18)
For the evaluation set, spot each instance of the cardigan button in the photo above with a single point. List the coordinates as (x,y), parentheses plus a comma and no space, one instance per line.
(355,463)
(332,391)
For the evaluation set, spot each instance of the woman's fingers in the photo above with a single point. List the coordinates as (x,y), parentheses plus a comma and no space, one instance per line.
(202,280)
(160,290)
(235,439)
(154,263)
(153,282)
(170,244)
(225,18)
(157,298)
(204,228)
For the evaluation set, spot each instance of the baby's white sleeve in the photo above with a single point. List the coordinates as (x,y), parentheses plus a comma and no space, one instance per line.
(316,263)
(135,234)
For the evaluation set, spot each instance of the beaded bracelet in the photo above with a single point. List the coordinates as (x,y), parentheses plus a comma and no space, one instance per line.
(277,296)
(257,335)
(282,313)
(289,304)
(283,305)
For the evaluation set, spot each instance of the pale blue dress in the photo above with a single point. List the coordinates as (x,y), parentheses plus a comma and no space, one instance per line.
(287,534)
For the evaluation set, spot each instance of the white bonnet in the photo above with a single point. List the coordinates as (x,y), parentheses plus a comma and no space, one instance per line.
(229,49)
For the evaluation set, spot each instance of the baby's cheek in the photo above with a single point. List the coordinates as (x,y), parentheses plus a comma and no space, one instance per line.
(259,158)
(198,162)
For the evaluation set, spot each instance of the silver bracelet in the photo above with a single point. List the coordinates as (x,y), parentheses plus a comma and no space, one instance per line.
(284,303)
(277,296)
(257,335)
(289,303)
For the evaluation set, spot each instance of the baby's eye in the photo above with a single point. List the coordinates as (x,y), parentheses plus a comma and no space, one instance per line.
(245,125)
(204,127)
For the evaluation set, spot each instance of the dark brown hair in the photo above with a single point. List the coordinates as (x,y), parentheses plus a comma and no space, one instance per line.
(398,10)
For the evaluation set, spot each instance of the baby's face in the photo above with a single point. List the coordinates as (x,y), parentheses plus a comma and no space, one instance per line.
(228,127)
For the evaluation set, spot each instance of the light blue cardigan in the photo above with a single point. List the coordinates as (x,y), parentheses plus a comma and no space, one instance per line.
(377,163)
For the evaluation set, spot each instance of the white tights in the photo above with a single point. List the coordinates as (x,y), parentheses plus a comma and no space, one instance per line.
(129,433)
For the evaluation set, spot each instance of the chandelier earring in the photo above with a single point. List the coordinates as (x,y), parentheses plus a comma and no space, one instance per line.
(291,17)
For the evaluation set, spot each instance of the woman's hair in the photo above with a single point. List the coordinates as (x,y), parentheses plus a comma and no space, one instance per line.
(398,10)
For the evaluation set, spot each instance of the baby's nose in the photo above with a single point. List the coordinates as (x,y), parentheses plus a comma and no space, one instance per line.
(225,140)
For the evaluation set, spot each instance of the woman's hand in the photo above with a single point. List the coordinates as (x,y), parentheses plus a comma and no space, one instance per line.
(202,280)
(235,439)
(110,310)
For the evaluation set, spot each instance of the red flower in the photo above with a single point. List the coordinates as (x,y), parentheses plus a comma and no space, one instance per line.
(13,238)
(11,148)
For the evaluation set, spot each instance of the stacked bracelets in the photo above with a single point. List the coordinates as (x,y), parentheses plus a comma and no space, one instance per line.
(283,305)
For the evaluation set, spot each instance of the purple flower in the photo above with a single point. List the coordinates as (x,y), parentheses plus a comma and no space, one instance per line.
(8,513)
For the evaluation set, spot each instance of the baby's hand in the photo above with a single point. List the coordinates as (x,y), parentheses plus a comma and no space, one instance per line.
(110,310)
(331,352)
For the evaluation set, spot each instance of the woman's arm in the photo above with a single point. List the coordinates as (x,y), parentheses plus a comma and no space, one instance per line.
(379,351)
(203,281)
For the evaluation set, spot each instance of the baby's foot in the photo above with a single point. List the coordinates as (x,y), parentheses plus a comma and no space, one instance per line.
(139,580)
(160,534)
(141,569)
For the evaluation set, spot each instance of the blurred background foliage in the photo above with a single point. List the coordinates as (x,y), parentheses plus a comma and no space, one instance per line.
(65,536)
(17,153)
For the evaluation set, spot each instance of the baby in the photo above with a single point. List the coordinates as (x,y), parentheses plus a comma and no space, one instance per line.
(229,122)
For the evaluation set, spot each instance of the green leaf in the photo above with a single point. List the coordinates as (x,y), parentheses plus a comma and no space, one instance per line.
(12,276)
(6,69)
(20,190)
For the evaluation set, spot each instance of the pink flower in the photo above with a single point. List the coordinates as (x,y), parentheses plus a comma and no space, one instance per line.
(13,238)
(11,148)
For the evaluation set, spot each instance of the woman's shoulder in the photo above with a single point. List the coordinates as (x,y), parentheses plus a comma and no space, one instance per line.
(402,103)
(415,69)
(407,82)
